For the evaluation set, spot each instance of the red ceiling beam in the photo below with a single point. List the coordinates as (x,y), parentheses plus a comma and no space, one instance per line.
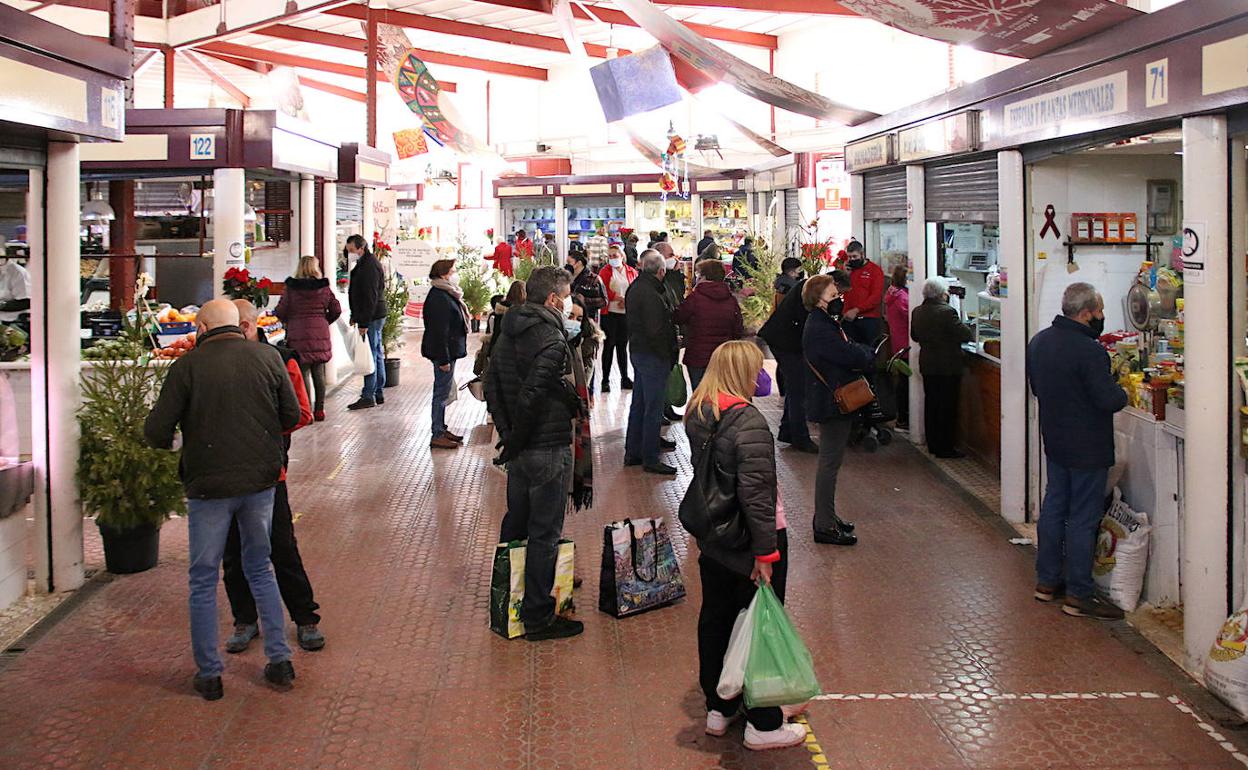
(346,42)
(330,88)
(822,7)
(464,29)
(230,52)
(612,16)
(218,78)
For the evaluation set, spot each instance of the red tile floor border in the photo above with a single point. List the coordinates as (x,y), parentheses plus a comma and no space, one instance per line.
(933,603)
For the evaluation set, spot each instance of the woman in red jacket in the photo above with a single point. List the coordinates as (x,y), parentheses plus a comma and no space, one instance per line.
(307,308)
(710,316)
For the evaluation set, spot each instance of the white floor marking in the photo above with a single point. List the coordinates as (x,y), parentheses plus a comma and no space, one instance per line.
(1173,700)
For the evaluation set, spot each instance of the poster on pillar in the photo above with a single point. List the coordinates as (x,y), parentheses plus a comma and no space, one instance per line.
(831,185)
(386,216)
(413,259)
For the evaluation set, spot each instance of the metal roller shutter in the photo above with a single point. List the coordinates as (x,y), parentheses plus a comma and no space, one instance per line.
(350,203)
(965,191)
(792,211)
(884,194)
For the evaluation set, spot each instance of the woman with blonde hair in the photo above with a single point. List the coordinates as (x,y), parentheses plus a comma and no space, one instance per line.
(721,418)
(307,308)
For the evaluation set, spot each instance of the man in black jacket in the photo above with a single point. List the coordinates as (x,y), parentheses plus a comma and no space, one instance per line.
(1070,375)
(533,405)
(652,336)
(940,332)
(233,400)
(367,295)
(783,334)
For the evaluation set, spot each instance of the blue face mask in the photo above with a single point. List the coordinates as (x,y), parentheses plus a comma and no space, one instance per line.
(573,328)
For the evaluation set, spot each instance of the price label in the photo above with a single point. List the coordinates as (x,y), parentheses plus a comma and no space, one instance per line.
(203,147)
(1157,83)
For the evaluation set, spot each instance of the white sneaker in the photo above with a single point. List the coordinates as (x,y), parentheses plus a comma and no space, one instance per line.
(789,734)
(717,724)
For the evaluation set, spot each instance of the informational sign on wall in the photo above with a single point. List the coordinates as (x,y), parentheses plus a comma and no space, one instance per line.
(1086,101)
(1193,252)
(412,259)
(870,153)
(831,185)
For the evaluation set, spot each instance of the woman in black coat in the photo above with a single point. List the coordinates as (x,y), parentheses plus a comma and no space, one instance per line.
(939,330)
(834,360)
(445,341)
(744,448)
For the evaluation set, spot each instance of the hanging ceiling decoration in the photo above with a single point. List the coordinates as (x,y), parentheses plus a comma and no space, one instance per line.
(720,66)
(1025,28)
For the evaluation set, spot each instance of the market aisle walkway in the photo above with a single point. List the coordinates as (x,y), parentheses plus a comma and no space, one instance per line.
(925,633)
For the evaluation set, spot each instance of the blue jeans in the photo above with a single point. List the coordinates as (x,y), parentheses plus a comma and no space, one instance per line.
(1074,503)
(442,384)
(208,527)
(373,383)
(645,416)
(538,483)
(793,427)
(696,373)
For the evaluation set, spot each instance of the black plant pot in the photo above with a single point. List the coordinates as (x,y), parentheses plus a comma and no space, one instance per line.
(392,372)
(130,550)
(476,325)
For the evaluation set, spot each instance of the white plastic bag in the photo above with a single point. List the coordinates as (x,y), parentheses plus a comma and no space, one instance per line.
(361,352)
(1122,554)
(732,677)
(1226,665)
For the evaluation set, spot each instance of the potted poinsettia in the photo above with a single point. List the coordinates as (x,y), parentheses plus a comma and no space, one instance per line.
(239,284)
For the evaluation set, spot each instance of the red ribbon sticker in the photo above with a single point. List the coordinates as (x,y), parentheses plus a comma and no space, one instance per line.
(1050,222)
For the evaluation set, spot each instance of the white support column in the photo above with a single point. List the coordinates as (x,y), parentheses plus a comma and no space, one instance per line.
(228,227)
(630,215)
(916,244)
(329,230)
(561,230)
(1012,257)
(857,208)
(1208,385)
(368,225)
(307,216)
(56,356)
(699,227)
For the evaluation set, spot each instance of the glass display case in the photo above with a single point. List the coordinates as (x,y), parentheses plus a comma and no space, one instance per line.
(674,217)
(726,217)
(987,325)
(586,215)
(529,214)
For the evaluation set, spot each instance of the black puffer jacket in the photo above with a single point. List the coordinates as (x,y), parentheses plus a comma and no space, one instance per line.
(650,327)
(526,389)
(745,448)
(783,331)
(367,290)
(233,400)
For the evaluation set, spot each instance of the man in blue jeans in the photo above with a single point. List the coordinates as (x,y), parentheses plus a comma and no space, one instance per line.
(232,399)
(533,403)
(1070,377)
(652,336)
(367,299)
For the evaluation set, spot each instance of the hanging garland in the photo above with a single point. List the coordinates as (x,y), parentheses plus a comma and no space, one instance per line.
(675,177)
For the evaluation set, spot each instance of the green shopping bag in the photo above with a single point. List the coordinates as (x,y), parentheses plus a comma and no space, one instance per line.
(779,670)
(676,393)
(507,586)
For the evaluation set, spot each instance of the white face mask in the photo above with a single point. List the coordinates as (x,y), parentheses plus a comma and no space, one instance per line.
(567,306)
(616,262)
(671,264)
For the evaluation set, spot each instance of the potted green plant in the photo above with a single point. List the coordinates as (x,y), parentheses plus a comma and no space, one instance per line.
(392,333)
(131,487)
(758,293)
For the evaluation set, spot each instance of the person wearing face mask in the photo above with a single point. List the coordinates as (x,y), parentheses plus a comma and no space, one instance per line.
(864,302)
(535,408)
(654,353)
(588,290)
(1069,374)
(939,330)
(674,281)
(445,341)
(616,277)
(367,295)
(833,359)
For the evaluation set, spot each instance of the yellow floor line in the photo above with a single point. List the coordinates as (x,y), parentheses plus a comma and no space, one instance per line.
(334,473)
(817,757)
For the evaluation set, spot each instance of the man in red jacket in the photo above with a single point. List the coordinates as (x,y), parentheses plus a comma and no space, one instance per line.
(292,579)
(863,311)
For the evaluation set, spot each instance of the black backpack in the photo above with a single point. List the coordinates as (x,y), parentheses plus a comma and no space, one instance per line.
(710,510)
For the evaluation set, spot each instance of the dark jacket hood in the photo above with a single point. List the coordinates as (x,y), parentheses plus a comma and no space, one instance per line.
(714,289)
(308,284)
(523,318)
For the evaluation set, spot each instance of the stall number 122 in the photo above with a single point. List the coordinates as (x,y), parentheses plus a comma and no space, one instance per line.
(203,147)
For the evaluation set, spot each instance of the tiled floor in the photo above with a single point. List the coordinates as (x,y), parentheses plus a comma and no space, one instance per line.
(925,636)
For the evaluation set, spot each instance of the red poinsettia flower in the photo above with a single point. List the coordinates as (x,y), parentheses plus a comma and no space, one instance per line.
(264,283)
(231,274)
(244,275)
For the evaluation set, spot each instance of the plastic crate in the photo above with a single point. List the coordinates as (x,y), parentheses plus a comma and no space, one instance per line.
(178,329)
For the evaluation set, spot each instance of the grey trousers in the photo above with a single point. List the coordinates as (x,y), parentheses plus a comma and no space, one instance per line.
(833,439)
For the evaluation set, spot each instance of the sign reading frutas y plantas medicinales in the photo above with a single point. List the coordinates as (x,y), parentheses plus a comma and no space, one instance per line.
(1094,99)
